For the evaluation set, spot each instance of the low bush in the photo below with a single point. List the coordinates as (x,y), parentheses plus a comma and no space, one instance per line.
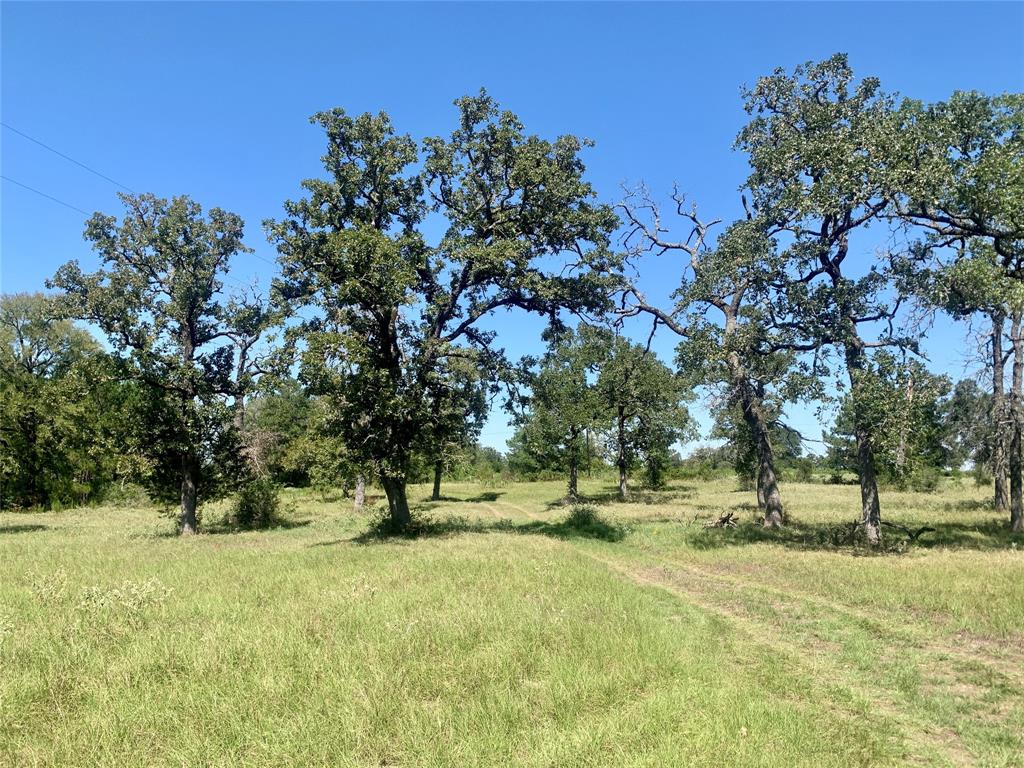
(258,505)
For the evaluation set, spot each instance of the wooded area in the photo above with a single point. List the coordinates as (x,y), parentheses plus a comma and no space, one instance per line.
(369,358)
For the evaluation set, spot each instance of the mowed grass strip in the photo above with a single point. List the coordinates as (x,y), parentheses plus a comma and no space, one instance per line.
(509,638)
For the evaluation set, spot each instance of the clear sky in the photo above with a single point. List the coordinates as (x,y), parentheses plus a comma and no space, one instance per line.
(212,100)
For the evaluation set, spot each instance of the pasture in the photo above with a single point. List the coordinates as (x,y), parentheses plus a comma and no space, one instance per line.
(507,633)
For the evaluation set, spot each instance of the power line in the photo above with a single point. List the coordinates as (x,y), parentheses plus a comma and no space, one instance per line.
(86,167)
(66,157)
(231,279)
(43,194)
(262,258)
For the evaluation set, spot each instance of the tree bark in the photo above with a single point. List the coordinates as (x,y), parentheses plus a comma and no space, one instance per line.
(769,498)
(900,459)
(871,511)
(621,460)
(574,463)
(189,496)
(999,417)
(438,468)
(1016,463)
(189,461)
(360,493)
(398,502)
(590,463)
(767,482)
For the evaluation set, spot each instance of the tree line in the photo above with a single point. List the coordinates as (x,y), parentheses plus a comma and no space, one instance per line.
(373,356)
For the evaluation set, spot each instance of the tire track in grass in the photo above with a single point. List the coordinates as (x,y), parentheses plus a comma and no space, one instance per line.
(1008,665)
(991,685)
(494,513)
(923,735)
(530,515)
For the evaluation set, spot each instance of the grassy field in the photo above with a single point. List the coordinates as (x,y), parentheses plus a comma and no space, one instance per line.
(508,635)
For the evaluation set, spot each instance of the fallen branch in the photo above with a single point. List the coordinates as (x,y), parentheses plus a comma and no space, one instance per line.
(727,520)
(847,533)
(912,535)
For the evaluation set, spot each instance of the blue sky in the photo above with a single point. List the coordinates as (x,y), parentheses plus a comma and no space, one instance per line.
(212,100)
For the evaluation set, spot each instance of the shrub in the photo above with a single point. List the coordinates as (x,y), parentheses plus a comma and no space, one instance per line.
(125,495)
(801,470)
(585,520)
(257,506)
(925,480)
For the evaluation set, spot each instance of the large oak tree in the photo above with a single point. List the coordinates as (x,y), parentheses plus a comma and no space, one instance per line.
(386,308)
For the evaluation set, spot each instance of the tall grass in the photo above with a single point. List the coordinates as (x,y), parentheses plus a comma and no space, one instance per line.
(514,631)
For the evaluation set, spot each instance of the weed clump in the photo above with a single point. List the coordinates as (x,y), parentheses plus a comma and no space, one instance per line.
(123,606)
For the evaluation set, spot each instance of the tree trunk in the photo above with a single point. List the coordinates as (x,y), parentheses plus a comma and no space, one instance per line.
(189,462)
(999,418)
(398,502)
(590,463)
(436,493)
(574,472)
(1017,415)
(360,493)
(1016,478)
(871,511)
(189,525)
(774,515)
(769,499)
(621,461)
(900,459)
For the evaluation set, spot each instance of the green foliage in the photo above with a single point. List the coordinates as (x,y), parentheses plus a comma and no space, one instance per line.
(564,408)
(971,431)
(906,405)
(392,315)
(482,464)
(824,152)
(973,283)
(277,433)
(966,180)
(741,448)
(158,300)
(64,420)
(458,395)
(642,404)
(257,506)
(708,463)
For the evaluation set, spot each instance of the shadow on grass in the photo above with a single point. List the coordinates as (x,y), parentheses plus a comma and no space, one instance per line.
(223,528)
(610,495)
(23,528)
(581,523)
(426,505)
(990,535)
(485,496)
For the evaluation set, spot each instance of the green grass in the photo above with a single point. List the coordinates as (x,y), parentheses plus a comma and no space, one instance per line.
(507,633)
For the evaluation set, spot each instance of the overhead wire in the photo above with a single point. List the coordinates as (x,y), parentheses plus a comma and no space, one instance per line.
(89,168)
(70,159)
(43,194)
